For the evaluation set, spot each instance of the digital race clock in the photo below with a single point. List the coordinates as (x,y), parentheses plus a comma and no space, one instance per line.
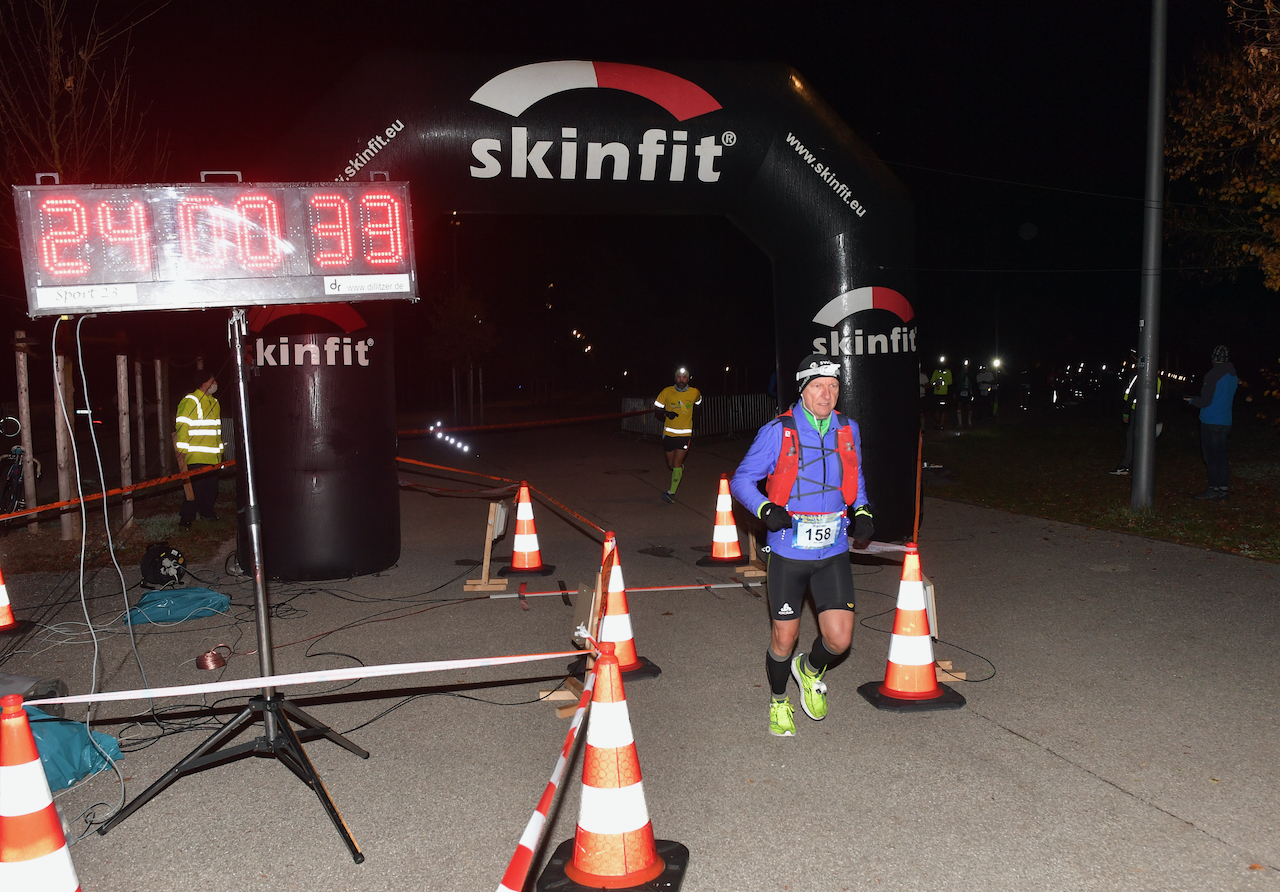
(102,249)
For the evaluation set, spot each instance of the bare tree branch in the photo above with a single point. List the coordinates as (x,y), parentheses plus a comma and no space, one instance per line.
(66,104)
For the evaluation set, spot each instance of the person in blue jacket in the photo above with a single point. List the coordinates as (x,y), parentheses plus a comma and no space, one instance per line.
(815,501)
(1214,403)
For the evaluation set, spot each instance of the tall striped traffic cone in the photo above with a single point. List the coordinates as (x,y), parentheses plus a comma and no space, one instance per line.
(526,557)
(613,847)
(615,625)
(8,625)
(910,680)
(33,851)
(724,538)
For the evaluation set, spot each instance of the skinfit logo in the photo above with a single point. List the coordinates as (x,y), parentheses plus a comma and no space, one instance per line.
(899,339)
(336,351)
(515,91)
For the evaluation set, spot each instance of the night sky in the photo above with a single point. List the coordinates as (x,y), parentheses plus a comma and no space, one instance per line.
(1018,129)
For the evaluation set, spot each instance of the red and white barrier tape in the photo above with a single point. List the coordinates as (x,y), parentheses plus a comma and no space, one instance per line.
(518,870)
(279,681)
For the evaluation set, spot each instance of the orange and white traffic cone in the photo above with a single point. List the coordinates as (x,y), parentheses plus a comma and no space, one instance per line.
(910,679)
(33,851)
(724,538)
(526,557)
(8,625)
(613,847)
(615,624)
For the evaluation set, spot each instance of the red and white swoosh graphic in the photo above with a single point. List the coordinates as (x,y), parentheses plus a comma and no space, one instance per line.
(516,90)
(872,297)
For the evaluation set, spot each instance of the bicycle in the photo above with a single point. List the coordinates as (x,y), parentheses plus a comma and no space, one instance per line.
(14,496)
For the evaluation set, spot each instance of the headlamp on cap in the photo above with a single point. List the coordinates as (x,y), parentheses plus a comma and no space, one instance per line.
(816,366)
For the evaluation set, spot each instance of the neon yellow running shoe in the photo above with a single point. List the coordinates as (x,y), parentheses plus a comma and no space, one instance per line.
(814,699)
(781,718)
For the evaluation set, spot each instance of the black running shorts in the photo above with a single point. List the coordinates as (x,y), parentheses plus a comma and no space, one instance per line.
(671,444)
(829,580)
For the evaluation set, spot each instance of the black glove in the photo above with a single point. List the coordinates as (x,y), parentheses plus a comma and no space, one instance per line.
(671,414)
(775,517)
(863,528)
(658,414)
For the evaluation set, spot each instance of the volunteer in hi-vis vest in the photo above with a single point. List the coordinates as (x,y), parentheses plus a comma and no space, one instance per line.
(674,410)
(198,442)
(815,501)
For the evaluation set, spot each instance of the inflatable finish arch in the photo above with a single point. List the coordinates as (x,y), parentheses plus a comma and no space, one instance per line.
(750,141)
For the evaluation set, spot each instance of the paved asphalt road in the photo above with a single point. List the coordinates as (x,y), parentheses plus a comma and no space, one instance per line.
(1119,732)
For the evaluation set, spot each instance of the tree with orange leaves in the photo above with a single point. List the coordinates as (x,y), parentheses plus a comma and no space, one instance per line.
(1224,141)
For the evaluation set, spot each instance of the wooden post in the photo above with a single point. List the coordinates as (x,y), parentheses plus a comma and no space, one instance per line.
(163,422)
(70,520)
(486,583)
(24,418)
(140,410)
(122,417)
(754,566)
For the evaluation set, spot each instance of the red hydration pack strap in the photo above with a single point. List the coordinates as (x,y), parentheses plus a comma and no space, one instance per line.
(779,484)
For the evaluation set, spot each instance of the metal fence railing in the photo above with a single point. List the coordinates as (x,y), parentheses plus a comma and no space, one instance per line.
(717,415)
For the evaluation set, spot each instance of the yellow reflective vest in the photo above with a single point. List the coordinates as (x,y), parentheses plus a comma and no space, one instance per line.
(199,429)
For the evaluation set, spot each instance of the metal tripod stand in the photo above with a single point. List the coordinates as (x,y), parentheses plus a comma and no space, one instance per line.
(279,739)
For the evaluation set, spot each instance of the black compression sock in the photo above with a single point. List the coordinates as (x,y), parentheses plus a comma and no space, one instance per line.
(778,671)
(819,658)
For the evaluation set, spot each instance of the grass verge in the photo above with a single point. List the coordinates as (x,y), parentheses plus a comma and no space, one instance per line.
(155,520)
(1056,466)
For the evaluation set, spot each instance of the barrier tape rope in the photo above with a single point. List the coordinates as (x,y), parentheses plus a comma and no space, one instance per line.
(496,492)
(516,425)
(427,464)
(517,872)
(123,490)
(630,590)
(563,507)
(296,678)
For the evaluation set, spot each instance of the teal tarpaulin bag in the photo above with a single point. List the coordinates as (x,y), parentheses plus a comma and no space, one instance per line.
(65,750)
(175,605)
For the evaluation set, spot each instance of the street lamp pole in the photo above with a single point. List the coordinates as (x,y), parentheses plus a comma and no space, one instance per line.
(1149,312)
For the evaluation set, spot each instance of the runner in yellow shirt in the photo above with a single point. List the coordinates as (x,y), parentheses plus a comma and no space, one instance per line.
(674,408)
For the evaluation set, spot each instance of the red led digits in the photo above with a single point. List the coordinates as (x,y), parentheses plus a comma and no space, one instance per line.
(331,230)
(202,231)
(125,224)
(258,232)
(62,249)
(382,220)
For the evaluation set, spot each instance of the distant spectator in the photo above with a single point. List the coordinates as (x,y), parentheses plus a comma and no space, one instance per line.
(924,398)
(1130,414)
(1214,403)
(941,382)
(964,397)
(986,394)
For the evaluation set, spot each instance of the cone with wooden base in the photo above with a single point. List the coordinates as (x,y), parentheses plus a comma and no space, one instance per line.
(613,847)
(33,850)
(910,679)
(526,556)
(724,537)
(9,625)
(615,625)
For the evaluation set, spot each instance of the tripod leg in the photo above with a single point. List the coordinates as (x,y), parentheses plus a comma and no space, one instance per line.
(288,749)
(190,763)
(320,729)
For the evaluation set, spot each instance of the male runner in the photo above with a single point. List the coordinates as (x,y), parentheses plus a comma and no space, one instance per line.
(674,409)
(811,457)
